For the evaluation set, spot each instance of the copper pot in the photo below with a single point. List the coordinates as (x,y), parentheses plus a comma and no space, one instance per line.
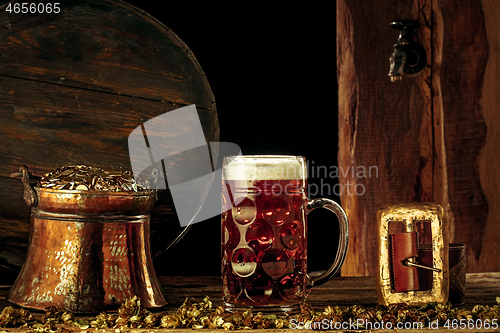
(88,251)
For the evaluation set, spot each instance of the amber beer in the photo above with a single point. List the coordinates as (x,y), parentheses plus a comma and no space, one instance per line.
(264,244)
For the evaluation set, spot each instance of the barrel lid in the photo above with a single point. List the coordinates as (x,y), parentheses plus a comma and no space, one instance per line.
(74,83)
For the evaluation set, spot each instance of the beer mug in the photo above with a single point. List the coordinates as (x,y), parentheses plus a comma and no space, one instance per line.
(264,234)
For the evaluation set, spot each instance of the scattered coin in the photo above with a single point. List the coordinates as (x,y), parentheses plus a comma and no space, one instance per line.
(83,177)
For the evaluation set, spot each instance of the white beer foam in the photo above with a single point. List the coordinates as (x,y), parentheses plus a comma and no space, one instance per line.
(265,167)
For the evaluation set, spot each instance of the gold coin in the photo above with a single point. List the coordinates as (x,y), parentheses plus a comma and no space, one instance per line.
(82,177)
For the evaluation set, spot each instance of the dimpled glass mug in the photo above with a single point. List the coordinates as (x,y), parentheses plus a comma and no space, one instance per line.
(264,233)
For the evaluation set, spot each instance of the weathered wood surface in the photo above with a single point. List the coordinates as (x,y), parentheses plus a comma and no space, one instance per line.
(482,288)
(489,160)
(425,134)
(465,52)
(73,85)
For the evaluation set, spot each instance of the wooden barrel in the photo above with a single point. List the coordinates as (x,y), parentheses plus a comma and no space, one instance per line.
(75,79)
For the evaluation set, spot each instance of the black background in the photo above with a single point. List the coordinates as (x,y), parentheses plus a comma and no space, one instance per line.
(272,71)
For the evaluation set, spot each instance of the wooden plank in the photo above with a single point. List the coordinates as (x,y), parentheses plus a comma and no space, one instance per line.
(102,45)
(383,127)
(482,288)
(489,160)
(464,57)
(425,133)
(65,124)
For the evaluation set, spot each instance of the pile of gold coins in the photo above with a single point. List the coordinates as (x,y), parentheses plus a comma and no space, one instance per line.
(82,177)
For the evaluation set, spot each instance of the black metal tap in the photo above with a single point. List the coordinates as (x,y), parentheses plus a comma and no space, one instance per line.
(409,57)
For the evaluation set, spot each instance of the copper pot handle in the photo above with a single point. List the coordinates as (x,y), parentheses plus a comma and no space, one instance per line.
(29,194)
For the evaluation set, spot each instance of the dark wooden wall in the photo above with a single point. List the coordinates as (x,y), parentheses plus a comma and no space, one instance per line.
(433,137)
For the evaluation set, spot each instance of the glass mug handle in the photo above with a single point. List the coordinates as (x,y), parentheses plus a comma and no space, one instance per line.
(343,239)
